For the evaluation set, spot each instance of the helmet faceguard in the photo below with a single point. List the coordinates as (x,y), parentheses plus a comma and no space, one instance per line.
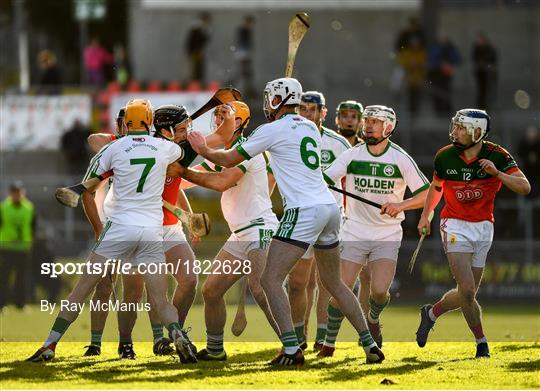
(119,122)
(314,99)
(349,105)
(288,89)
(470,119)
(169,117)
(388,118)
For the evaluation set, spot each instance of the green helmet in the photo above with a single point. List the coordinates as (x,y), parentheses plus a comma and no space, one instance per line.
(350,105)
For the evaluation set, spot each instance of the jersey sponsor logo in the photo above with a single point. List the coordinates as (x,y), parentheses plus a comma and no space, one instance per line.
(469,195)
(451,171)
(374,186)
(139,139)
(388,170)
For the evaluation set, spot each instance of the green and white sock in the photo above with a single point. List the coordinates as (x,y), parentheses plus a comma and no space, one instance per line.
(174,330)
(375,309)
(321,332)
(290,342)
(214,343)
(59,328)
(367,340)
(299,331)
(157,331)
(335,317)
(96,336)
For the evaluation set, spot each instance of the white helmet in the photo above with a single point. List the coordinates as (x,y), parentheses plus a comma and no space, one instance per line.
(385,114)
(471,119)
(290,91)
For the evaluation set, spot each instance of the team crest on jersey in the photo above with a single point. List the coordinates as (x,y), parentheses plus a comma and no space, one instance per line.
(481,174)
(287,226)
(388,170)
(327,156)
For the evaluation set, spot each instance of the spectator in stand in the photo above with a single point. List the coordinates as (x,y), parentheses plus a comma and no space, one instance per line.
(196,42)
(95,59)
(529,152)
(17,227)
(443,59)
(244,55)
(413,32)
(50,78)
(485,71)
(413,60)
(121,65)
(74,147)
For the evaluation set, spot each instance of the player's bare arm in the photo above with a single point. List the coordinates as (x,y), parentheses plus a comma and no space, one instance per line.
(226,158)
(433,197)
(516,181)
(392,209)
(91,212)
(218,181)
(97,141)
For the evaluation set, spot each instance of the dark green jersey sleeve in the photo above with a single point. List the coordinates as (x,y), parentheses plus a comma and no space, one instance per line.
(189,154)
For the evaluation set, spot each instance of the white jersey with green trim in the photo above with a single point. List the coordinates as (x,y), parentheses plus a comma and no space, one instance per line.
(294,148)
(103,195)
(139,163)
(248,202)
(382,178)
(333,145)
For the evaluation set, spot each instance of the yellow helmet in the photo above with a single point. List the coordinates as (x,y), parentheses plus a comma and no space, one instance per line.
(241,111)
(138,115)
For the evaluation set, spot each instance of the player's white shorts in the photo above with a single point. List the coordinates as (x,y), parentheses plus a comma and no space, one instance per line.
(308,255)
(459,236)
(358,244)
(173,235)
(131,243)
(254,237)
(314,225)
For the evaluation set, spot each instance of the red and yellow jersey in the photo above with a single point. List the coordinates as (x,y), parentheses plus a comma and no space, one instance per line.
(170,194)
(469,193)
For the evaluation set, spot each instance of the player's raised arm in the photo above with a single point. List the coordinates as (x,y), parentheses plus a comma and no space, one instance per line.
(226,158)
(218,181)
(515,180)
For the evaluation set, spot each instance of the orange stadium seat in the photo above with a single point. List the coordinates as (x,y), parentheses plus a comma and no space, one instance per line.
(194,85)
(174,86)
(214,85)
(153,86)
(133,86)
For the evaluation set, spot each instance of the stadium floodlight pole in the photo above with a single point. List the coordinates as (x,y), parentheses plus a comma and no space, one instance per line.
(240,322)
(298,26)
(422,237)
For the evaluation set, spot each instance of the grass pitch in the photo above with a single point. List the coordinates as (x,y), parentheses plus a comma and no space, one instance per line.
(515,363)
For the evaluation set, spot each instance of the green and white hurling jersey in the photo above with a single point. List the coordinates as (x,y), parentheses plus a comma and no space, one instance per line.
(294,148)
(248,202)
(139,163)
(383,178)
(333,145)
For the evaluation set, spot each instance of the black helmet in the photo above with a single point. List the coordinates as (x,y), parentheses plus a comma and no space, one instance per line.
(168,116)
(313,97)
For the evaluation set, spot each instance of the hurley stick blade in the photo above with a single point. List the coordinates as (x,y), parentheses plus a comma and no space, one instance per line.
(298,27)
(199,224)
(240,321)
(222,96)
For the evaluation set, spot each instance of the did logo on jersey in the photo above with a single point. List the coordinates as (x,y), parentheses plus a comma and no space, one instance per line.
(469,195)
